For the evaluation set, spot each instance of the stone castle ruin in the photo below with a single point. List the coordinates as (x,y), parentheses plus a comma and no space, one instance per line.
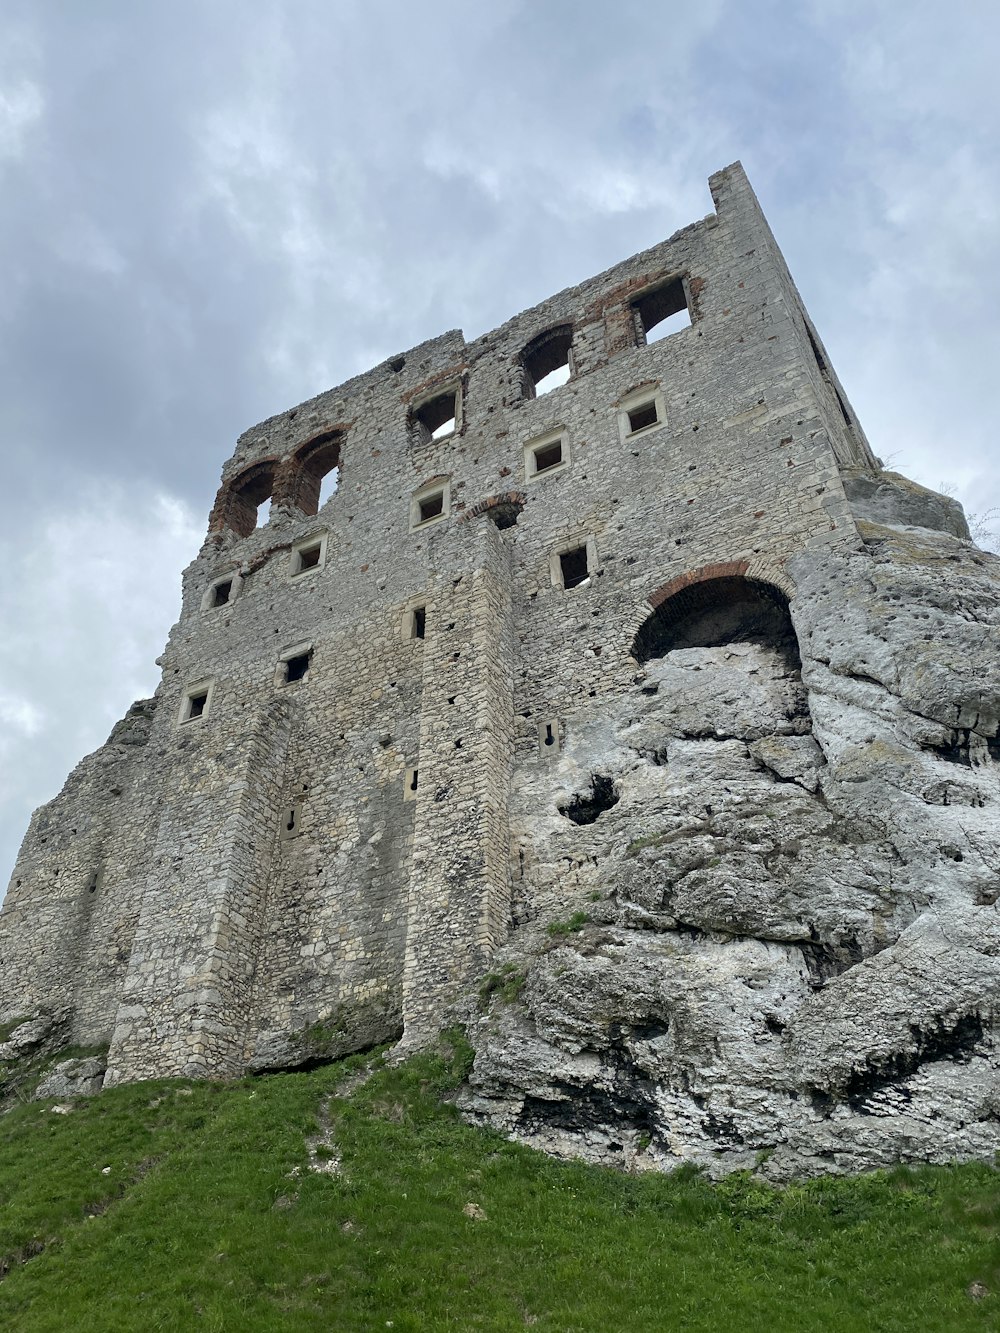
(616,702)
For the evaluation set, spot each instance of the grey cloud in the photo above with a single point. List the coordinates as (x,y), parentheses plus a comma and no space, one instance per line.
(215,210)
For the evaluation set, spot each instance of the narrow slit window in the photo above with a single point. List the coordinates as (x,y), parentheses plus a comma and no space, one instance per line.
(548,738)
(573,565)
(418,622)
(642,416)
(297,667)
(410,782)
(662,311)
(222,593)
(438,417)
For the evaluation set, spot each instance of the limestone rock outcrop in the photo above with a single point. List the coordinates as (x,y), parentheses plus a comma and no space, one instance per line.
(773,940)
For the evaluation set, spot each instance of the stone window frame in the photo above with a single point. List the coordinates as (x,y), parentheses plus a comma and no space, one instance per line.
(420,433)
(549,740)
(295,568)
(438,485)
(281,681)
(205,686)
(233,577)
(411,782)
(407,619)
(555,565)
(643,396)
(532,447)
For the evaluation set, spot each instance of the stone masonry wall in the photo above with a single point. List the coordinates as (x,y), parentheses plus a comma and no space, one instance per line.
(266,891)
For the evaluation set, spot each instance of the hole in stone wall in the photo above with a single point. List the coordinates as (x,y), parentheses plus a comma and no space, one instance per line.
(573,566)
(505,513)
(664,309)
(418,622)
(588,807)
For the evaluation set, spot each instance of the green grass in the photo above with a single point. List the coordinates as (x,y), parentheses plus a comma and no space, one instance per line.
(576,922)
(209,1218)
(506,984)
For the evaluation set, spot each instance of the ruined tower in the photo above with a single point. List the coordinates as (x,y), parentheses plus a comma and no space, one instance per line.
(308,835)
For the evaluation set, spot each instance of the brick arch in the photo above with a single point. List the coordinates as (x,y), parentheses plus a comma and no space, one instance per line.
(723,570)
(300,478)
(686,591)
(506,500)
(237,500)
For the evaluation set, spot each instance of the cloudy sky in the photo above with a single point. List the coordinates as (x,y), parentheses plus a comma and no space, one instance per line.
(212,209)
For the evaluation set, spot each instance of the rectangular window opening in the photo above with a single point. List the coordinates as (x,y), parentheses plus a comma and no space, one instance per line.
(196,705)
(418,622)
(573,565)
(222,593)
(548,361)
(297,668)
(642,416)
(431,506)
(549,456)
(438,417)
(661,312)
(308,557)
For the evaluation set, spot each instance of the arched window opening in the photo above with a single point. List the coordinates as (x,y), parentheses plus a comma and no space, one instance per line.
(248,502)
(436,418)
(661,311)
(717,611)
(318,468)
(547,361)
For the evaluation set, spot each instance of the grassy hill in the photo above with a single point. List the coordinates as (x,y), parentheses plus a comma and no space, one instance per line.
(299,1201)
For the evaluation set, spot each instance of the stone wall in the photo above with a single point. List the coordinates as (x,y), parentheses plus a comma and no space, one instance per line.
(253,887)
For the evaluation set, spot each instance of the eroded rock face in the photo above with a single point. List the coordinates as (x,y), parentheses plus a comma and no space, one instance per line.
(778,945)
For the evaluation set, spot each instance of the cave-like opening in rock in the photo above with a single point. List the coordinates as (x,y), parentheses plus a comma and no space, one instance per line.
(587,807)
(717,611)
